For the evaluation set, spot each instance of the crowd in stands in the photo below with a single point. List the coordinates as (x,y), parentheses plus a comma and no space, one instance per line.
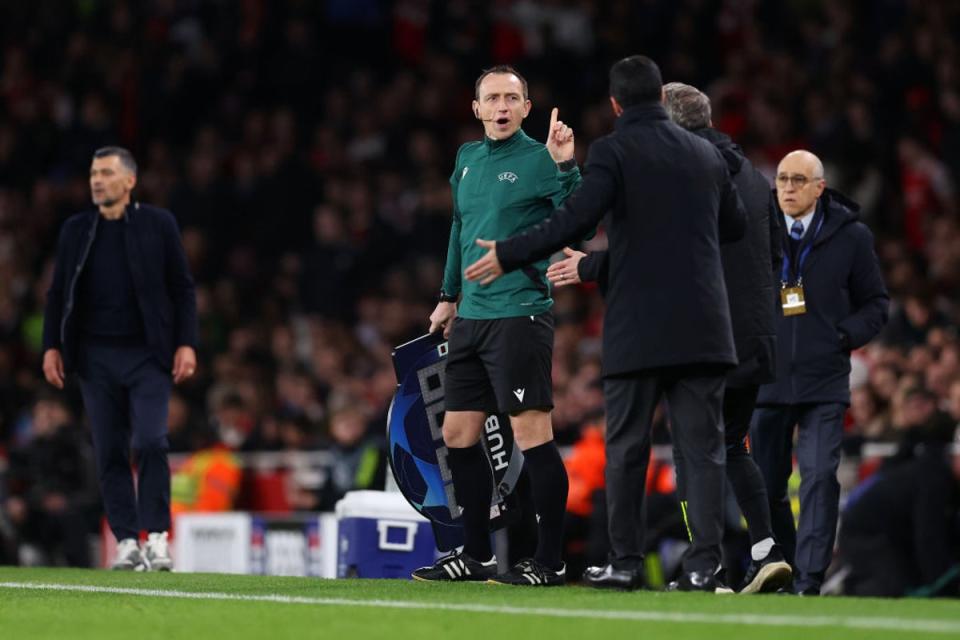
(305,149)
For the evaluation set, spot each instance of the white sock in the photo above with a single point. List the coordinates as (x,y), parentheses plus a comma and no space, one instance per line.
(760,550)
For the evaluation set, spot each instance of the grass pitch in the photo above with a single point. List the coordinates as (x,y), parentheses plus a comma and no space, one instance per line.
(98,605)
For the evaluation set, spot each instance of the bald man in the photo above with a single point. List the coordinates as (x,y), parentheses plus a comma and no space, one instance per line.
(832,301)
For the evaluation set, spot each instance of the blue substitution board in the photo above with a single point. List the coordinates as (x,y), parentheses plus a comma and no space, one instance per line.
(417,455)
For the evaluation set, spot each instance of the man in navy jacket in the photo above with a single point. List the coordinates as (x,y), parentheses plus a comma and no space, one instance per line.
(832,300)
(121,312)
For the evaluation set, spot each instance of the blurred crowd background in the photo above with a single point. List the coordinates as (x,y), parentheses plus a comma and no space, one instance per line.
(305,148)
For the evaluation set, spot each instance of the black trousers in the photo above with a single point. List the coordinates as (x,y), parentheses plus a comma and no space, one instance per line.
(809,545)
(694,398)
(742,471)
(125,392)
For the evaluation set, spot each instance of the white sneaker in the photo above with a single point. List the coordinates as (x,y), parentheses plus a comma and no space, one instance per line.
(156,553)
(129,557)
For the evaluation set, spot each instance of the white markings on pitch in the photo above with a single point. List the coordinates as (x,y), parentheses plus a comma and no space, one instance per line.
(925,625)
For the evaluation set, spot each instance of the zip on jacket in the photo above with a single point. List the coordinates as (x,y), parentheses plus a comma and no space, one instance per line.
(71,290)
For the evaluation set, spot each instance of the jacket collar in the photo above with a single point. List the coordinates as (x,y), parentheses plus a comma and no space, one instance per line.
(713,136)
(730,150)
(836,210)
(132,206)
(495,145)
(646,112)
(94,213)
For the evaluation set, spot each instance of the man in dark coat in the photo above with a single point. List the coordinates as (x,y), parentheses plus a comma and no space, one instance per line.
(832,301)
(748,273)
(122,313)
(667,327)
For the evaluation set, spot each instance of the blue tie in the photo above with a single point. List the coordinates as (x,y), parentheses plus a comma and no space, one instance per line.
(796,231)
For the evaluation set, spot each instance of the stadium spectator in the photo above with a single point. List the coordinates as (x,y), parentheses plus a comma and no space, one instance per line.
(870,423)
(208,480)
(586,523)
(900,528)
(911,323)
(184,432)
(359,462)
(52,498)
(833,300)
(921,425)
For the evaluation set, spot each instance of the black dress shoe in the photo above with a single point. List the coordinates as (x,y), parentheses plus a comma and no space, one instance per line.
(695,581)
(608,577)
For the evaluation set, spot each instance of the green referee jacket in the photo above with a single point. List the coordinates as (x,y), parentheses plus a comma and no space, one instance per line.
(500,188)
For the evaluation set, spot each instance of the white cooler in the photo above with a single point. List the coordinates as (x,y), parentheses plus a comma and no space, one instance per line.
(381,536)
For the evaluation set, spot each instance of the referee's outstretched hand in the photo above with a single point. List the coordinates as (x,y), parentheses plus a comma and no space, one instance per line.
(486,269)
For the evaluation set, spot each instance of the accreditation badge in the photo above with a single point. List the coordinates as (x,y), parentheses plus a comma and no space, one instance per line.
(791,298)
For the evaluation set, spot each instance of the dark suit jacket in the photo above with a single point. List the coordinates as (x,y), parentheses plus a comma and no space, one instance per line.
(161,281)
(751,268)
(846,304)
(671,203)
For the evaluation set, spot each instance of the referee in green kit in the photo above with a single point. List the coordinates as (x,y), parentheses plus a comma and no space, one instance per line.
(501,336)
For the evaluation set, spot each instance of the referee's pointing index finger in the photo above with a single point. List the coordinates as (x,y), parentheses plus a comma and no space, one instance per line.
(553,119)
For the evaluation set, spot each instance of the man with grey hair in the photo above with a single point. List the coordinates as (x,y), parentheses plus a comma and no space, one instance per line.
(687,106)
(749,267)
(832,301)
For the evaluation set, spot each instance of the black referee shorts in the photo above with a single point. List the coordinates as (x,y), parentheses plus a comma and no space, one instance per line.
(501,365)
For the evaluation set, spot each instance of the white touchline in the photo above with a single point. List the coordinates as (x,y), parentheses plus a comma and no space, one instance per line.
(924,625)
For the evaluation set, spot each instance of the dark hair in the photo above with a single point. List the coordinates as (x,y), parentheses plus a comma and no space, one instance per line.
(635,80)
(500,68)
(126,158)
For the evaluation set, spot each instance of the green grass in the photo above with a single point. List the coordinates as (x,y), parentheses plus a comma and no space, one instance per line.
(354,609)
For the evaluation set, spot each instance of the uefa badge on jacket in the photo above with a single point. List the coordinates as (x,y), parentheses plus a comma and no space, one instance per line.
(791,298)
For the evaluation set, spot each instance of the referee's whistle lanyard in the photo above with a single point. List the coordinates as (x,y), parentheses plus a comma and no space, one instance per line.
(785,269)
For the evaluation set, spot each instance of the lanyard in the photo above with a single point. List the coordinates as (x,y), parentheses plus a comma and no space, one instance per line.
(785,269)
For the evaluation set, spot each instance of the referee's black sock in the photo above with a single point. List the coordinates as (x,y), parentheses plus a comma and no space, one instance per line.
(473,487)
(548,479)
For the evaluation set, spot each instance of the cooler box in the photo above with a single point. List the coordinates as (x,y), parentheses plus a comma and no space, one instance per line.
(381,536)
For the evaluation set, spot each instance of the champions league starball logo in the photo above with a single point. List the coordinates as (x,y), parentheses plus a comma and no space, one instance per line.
(417,455)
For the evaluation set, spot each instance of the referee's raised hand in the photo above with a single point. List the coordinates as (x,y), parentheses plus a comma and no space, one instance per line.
(560,142)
